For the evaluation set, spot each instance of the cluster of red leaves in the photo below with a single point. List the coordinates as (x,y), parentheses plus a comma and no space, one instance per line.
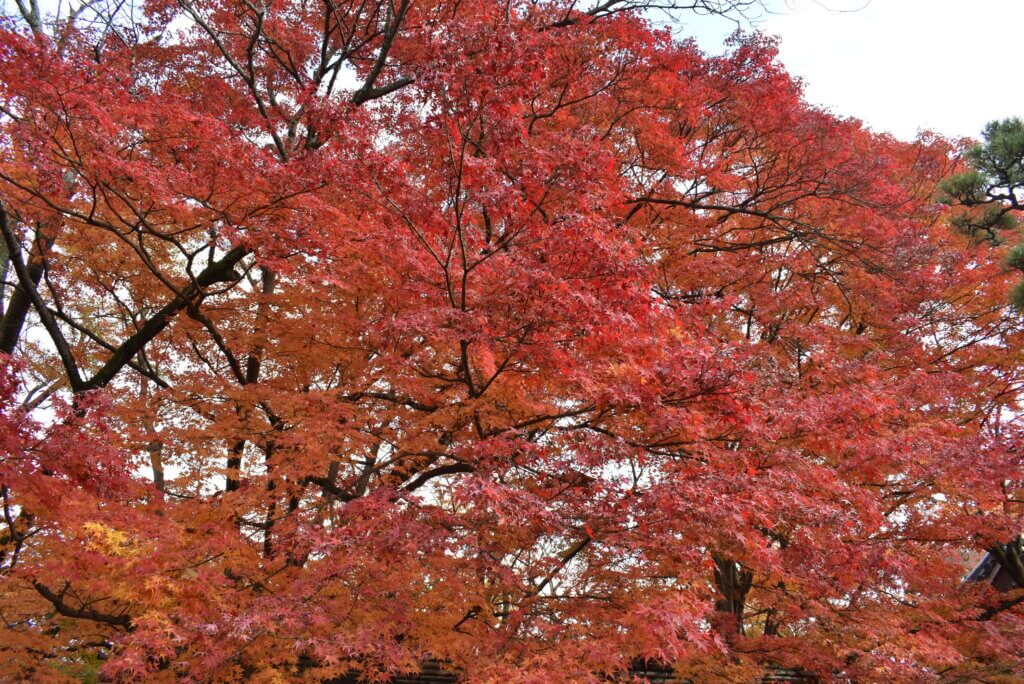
(527,339)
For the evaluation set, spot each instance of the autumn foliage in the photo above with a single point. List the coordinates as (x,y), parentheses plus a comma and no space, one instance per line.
(341,335)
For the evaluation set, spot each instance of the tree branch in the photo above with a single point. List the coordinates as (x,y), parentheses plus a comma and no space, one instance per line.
(217,272)
(84,612)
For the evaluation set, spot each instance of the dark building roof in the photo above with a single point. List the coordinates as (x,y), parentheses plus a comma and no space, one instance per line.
(989,569)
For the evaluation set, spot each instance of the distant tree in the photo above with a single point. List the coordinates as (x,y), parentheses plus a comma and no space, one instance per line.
(991,190)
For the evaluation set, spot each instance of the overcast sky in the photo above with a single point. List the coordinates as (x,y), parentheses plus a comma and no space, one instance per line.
(899,65)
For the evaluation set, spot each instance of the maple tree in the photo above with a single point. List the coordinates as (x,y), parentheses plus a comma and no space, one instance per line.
(988,200)
(524,336)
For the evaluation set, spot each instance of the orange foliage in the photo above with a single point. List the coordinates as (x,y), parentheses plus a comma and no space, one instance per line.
(531,340)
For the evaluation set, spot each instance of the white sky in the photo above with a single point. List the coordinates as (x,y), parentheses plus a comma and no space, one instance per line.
(899,65)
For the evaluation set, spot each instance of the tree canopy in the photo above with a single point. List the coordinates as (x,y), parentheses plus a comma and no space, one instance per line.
(524,336)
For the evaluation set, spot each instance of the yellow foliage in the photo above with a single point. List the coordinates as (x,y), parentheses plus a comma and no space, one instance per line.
(109,541)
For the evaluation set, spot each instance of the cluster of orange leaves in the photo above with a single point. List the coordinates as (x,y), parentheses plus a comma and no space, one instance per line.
(511,334)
